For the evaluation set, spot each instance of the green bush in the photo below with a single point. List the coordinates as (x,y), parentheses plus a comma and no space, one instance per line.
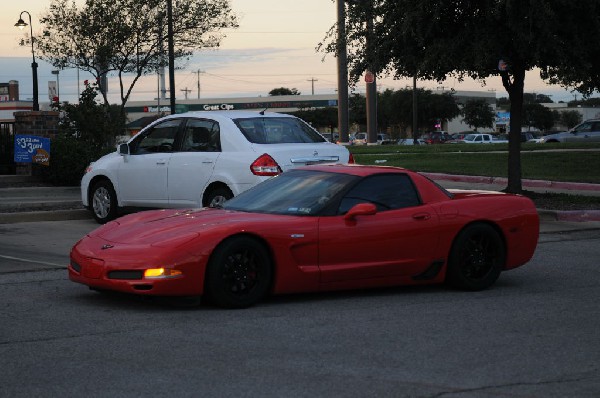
(69,158)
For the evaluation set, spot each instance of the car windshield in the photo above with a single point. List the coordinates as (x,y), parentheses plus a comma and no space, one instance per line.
(470,137)
(277,130)
(297,192)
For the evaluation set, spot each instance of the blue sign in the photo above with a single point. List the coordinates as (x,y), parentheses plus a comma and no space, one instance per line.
(32,149)
(502,117)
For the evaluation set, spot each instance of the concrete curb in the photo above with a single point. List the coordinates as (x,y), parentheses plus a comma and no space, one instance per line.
(572,186)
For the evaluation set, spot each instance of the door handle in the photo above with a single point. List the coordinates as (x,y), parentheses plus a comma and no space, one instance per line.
(421,216)
(162,161)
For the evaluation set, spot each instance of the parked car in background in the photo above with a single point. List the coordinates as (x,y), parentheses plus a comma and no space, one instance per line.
(314,229)
(435,137)
(384,139)
(359,139)
(482,138)
(410,141)
(588,131)
(331,137)
(458,137)
(198,159)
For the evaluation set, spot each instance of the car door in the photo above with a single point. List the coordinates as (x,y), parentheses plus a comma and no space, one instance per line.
(142,177)
(192,166)
(396,241)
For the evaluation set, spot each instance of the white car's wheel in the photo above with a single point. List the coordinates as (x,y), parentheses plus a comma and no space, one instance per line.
(103,202)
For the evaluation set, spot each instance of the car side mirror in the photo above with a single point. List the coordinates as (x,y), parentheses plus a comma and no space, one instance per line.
(361,209)
(124,149)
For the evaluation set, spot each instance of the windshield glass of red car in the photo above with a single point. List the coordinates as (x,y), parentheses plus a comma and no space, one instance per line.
(297,192)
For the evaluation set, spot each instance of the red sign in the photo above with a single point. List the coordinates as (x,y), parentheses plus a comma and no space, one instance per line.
(369,77)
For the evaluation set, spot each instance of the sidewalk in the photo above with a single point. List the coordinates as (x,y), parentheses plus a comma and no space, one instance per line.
(22,203)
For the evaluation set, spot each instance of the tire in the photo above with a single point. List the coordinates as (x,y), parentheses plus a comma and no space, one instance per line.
(217,196)
(477,257)
(239,273)
(103,202)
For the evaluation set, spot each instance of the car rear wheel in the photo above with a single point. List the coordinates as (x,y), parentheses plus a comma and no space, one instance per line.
(217,196)
(476,259)
(239,273)
(103,202)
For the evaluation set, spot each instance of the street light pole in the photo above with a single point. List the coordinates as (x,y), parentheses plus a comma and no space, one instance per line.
(21,24)
(171,51)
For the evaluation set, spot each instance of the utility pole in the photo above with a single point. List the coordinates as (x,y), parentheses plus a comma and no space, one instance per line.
(342,72)
(198,72)
(186,91)
(371,89)
(313,80)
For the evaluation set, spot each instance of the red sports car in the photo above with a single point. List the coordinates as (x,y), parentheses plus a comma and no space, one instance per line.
(315,228)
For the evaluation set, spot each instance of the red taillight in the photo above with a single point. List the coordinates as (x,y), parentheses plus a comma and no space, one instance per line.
(351,159)
(265,165)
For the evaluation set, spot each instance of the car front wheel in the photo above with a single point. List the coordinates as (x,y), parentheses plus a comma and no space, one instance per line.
(476,259)
(239,273)
(103,202)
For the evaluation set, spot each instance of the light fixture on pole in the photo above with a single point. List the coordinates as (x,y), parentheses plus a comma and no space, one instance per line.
(21,24)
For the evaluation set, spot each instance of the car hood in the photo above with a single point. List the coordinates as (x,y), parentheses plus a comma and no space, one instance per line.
(557,135)
(159,227)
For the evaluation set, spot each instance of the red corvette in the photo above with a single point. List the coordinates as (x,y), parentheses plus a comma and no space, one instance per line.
(315,228)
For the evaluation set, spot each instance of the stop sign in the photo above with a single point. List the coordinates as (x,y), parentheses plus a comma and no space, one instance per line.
(369,77)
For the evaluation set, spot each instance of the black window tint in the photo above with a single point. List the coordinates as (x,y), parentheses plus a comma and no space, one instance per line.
(277,130)
(201,136)
(159,138)
(386,191)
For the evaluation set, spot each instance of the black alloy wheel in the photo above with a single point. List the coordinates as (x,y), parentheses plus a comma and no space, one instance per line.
(477,257)
(239,273)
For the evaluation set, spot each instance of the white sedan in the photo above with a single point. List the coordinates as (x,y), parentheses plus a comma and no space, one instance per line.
(198,159)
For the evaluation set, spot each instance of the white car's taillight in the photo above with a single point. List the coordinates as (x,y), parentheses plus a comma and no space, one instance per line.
(265,165)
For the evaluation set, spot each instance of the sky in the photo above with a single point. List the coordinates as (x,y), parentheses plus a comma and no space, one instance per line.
(274,46)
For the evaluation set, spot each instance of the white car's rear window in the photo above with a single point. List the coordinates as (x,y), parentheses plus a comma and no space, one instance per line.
(277,130)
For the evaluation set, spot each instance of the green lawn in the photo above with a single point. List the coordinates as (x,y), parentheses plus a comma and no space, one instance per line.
(489,160)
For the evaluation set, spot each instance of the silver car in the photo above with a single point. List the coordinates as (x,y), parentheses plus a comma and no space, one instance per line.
(588,131)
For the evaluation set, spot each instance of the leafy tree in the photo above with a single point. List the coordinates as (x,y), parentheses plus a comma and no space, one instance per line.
(283,91)
(537,98)
(87,131)
(318,118)
(357,109)
(128,37)
(538,116)
(478,113)
(503,102)
(435,40)
(586,102)
(395,108)
(571,118)
(91,122)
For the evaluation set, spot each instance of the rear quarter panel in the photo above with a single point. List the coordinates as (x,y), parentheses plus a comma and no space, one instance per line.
(514,216)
